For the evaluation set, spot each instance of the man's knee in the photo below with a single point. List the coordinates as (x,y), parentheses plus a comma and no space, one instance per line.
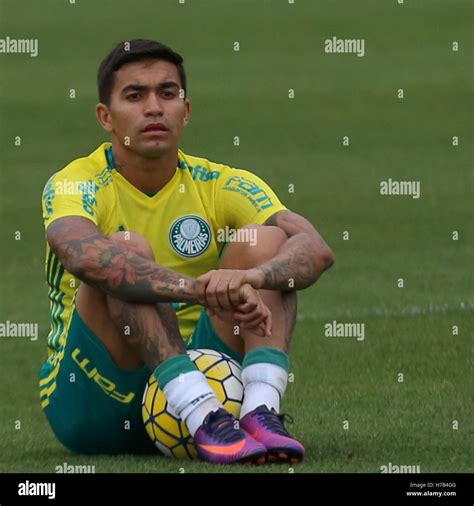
(253,245)
(135,242)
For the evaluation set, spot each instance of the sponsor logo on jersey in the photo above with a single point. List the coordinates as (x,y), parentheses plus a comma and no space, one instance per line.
(254,194)
(200,172)
(190,236)
(48,196)
(88,190)
(104,177)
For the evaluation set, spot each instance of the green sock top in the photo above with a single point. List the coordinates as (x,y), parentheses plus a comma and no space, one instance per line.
(267,355)
(172,368)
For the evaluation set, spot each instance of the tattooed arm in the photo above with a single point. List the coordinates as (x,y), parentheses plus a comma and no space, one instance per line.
(300,261)
(122,272)
(302,258)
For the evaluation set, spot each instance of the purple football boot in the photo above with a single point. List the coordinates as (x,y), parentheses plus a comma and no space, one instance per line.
(221,440)
(266,426)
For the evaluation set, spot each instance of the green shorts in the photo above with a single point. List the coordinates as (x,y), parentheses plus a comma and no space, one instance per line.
(94,406)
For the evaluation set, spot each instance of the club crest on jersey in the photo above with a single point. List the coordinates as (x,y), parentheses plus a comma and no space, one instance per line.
(190,236)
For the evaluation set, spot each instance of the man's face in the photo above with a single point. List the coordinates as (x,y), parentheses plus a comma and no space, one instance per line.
(146,113)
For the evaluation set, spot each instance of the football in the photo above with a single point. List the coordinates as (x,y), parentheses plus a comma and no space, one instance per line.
(167,431)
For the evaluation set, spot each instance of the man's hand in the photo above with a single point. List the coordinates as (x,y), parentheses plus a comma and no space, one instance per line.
(252,313)
(219,289)
(233,295)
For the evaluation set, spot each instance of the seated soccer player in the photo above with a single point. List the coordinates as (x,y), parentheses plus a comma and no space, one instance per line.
(138,272)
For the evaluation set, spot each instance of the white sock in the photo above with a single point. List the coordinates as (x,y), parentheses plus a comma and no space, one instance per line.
(264,383)
(186,394)
(196,417)
(258,393)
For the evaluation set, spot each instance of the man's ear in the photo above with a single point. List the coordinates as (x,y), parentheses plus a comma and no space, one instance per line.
(187,114)
(103,116)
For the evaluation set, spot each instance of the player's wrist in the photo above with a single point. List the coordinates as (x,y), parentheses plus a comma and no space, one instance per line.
(255,277)
(176,289)
(190,291)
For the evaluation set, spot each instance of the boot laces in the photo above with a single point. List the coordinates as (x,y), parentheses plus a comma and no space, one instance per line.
(275,422)
(221,425)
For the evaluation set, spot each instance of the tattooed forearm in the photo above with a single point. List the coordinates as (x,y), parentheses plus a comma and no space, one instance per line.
(119,270)
(150,329)
(302,258)
(293,268)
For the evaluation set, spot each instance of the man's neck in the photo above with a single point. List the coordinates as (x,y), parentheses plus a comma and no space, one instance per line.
(149,175)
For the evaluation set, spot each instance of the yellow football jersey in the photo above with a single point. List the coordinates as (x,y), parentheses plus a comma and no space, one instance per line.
(182,222)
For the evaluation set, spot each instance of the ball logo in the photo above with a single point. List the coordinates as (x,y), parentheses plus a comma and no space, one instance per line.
(190,236)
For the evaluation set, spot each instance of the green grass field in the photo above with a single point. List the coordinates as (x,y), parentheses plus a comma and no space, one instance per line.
(286,141)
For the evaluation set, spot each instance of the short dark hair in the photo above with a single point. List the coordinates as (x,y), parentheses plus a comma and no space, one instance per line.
(131,51)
